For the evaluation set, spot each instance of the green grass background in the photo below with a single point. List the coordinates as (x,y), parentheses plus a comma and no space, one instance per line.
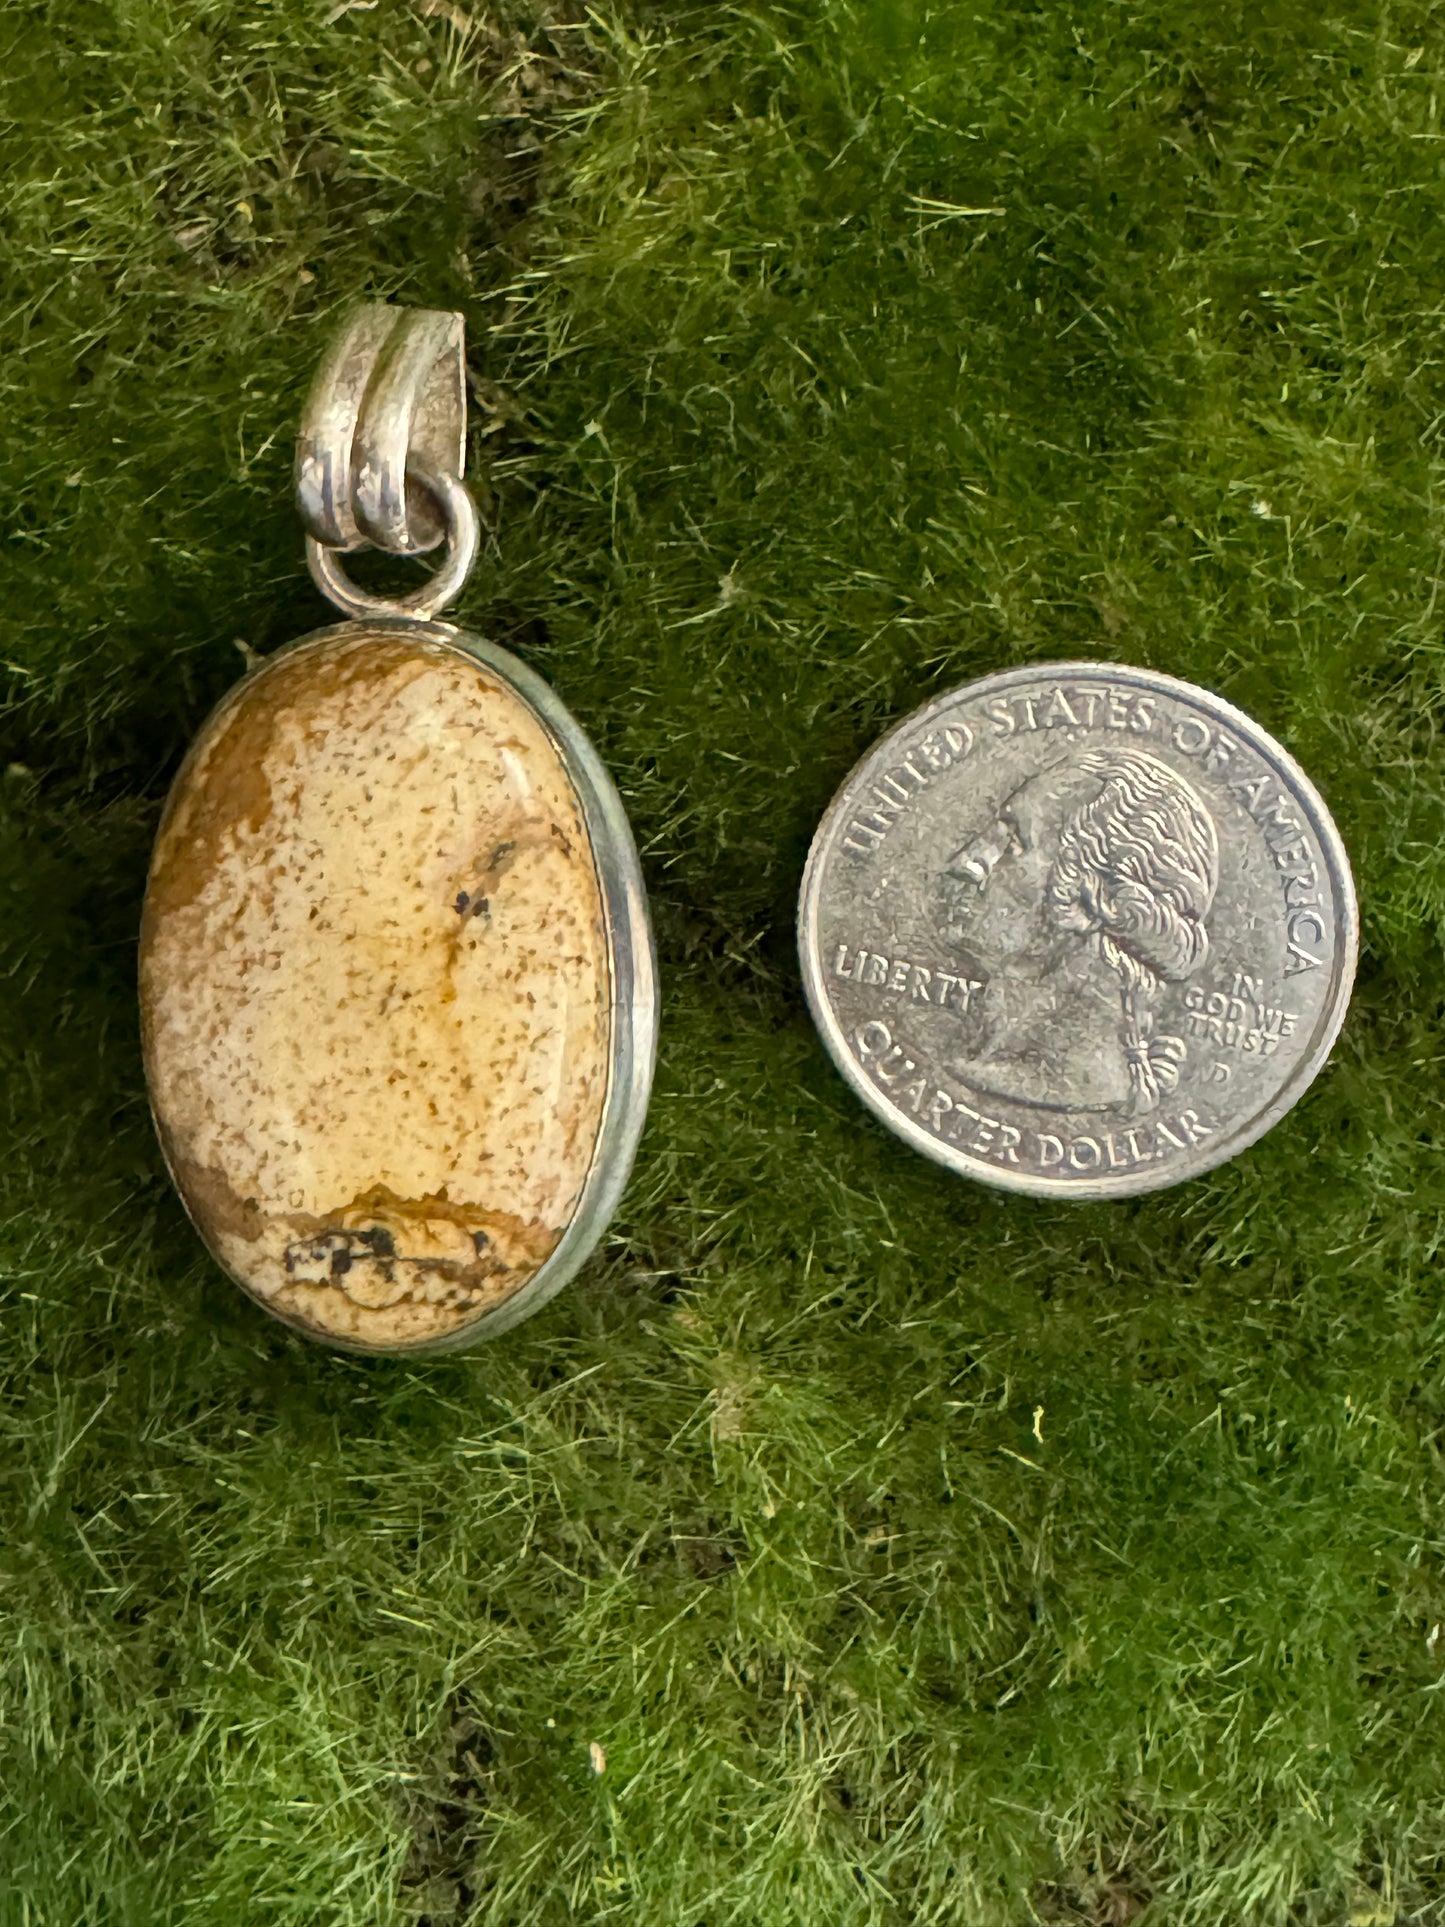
(916,1554)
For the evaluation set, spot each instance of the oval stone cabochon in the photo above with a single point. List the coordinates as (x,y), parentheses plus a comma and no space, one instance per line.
(375,991)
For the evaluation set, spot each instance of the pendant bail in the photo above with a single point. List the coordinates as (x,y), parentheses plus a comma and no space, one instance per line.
(381,452)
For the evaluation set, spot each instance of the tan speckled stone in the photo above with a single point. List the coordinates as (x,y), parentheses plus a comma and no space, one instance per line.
(375,988)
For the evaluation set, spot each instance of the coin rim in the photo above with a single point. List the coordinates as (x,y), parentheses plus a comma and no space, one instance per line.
(1332,1016)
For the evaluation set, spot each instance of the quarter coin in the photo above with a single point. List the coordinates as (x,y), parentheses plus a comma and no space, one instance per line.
(1079,930)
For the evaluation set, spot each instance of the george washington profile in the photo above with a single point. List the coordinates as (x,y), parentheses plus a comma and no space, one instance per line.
(1084,895)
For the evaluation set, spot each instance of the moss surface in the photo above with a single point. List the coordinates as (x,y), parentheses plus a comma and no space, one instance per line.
(915,1554)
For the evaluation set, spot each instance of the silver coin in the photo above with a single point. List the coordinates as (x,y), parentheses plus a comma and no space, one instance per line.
(1079,930)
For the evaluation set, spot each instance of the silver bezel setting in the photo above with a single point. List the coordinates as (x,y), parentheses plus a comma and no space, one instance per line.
(632,966)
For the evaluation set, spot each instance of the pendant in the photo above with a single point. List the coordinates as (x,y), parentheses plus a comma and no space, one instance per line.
(397,981)
(1079,930)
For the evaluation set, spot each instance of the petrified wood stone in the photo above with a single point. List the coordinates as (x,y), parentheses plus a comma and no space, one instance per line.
(375,988)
